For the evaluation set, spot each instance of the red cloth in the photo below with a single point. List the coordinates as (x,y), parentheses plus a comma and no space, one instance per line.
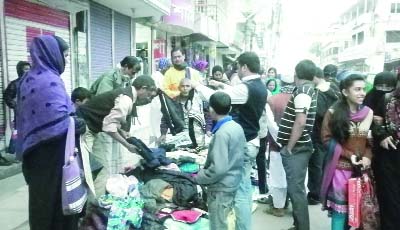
(186,216)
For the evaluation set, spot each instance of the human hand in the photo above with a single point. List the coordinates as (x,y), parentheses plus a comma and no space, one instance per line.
(162,139)
(123,133)
(209,133)
(354,161)
(132,148)
(214,83)
(388,142)
(366,162)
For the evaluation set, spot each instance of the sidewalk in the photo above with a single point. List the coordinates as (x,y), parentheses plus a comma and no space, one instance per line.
(11,170)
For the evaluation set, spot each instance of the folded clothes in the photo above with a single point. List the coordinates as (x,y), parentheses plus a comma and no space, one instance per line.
(186,216)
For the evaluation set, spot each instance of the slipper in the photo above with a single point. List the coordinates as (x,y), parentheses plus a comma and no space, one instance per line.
(265,200)
(4,162)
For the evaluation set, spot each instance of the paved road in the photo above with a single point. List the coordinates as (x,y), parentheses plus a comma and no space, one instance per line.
(14,214)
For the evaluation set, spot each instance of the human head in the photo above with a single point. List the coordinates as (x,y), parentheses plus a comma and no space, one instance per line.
(248,64)
(22,68)
(201,66)
(145,89)
(330,72)
(352,89)
(143,53)
(305,70)
(177,56)
(272,73)
(80,96)
(319,76)
(130,66)
(385,81)
(64,47)
(220,104)
(163,64)
(185,85)
(271,84)
(47,52)
(217,73)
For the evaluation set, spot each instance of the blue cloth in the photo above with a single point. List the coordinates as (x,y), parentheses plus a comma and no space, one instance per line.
(43,105)
(220,123)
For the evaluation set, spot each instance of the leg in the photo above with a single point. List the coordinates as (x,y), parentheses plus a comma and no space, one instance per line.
(339,221)
(315,172)
(295,165)
(261,167)
(42,169)
(243,198)
(220,204)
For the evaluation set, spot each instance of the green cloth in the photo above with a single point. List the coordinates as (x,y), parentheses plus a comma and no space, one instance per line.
(189,167)
(277,86)
(108,81)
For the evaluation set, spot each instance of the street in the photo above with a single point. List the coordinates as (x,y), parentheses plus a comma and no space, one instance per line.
(14,211)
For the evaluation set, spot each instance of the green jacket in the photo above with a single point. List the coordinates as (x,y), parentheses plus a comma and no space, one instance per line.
(110,80)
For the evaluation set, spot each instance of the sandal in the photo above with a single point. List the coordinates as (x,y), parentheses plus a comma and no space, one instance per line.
(265,200)
(4,162)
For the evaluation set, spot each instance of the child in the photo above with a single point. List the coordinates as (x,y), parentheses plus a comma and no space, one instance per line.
(79,96)
(223,170)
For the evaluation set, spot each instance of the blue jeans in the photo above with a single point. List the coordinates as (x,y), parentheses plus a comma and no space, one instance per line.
(243,198)
(220,204)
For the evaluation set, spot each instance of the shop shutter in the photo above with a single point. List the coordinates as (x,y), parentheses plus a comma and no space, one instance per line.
(3,106)
(25,20)
(100,40)
(122,36)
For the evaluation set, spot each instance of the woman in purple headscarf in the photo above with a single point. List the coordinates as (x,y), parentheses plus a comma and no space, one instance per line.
(43,109)
(344,132)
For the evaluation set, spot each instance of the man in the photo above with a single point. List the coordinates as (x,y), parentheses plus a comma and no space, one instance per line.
(111,113)
(330,72)
(10,96)
(248,99)
(177,72)
(191,111)
(295,138)
(223,169)
(145,61)
(117,78)
(328,93)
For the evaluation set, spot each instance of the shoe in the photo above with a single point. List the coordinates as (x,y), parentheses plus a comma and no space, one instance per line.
(278,212)
(265,200)
(311,200)
(4,162)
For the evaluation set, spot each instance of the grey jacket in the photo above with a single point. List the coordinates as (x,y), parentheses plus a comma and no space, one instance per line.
(223,169)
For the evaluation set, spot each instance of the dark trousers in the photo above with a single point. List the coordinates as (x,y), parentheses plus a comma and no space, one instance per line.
(42,169)
(261,167)
(295,165)
(386,168)
(315,170)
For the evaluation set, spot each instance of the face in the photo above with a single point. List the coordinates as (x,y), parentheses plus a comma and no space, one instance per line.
(131,72)
(271,85)
(26,68)
(178,58)
(271,73)
(185,88)
(217,75)
(145,95)
(356,93)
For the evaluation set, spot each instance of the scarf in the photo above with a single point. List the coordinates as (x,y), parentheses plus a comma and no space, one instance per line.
(180,66)
(43,105)
(333,155)
(220,123)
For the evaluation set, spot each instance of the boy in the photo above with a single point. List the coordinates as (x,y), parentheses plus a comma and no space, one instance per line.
(223,170)
(80,96)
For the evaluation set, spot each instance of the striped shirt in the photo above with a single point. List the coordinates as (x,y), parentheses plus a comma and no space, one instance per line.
(303,100)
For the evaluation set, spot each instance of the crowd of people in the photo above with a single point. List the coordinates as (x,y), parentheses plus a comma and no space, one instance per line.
(321,121)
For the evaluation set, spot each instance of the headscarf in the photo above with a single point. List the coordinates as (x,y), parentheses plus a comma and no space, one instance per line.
(200,65)
(277,87)
(373,98)
(163,63)
(43,105)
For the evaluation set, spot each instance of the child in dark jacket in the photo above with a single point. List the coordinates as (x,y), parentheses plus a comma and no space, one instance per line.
(223,169)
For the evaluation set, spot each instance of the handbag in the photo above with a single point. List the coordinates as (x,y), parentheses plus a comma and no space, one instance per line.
(354,195)
(73,186)
(369,205)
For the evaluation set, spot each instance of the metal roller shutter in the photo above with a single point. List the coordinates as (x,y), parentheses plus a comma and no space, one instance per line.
(100,40)
(122,36)
(3,107)
(25,20)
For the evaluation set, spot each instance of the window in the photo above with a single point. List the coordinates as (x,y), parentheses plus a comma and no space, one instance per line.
(353,40)
(393,36)
(346,44)
(360,38)
(395,8)
(361,8)
(370,5)
(335,50)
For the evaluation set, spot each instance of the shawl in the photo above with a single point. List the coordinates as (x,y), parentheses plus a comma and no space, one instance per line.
(43,105)
(333,154)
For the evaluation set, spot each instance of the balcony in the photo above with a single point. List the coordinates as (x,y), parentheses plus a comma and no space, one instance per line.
(139,8)
(362,51)
(206,26)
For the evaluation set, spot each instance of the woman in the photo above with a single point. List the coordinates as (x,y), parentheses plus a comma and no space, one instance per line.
(272,86)
(386,161)
(43,108)
(344,132)
(384,82)
(218,75)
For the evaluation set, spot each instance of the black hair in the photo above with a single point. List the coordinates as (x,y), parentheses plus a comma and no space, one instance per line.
(330,71)
(20,67)
(130,62)
(144,81)
(220,102)
(385,77)
(217,68)
(251,60)
(81,94)
(274,69)
(305,70)
(176,49)
(319,73)
(272,79)
(340,122)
